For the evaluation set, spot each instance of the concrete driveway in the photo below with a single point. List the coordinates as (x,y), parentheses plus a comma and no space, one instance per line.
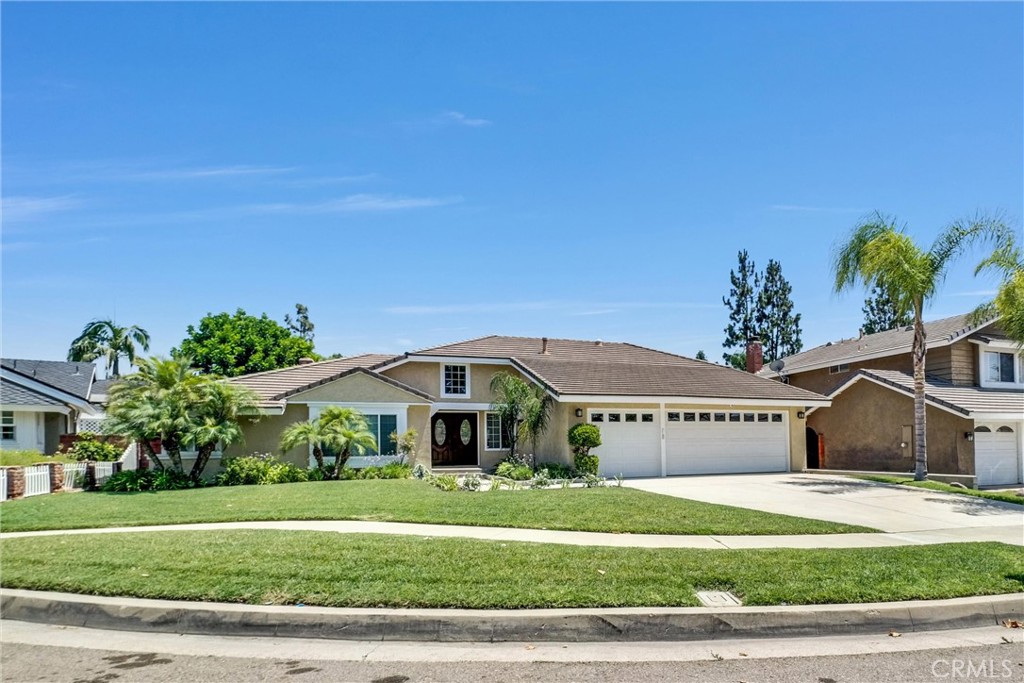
(892,509)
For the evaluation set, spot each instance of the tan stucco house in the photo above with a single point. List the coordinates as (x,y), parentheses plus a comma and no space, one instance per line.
(659,414)
(974,394)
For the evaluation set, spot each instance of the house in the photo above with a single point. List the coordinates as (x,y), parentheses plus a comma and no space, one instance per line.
(659,414)
(974,402)
(42,399)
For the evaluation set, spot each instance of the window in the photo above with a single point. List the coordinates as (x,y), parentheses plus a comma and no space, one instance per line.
(382,427)
(647,417)
(673,417)
(689,417)
(1005,430)
(597,417)
(705,417)
(455,380)
(837,369)
(999,367)
(776,417)
(614,417)
(497,435)
(630,417)
(719,417)
(982,429)
(7,425)
(748,417)
(762,417)
(734,417)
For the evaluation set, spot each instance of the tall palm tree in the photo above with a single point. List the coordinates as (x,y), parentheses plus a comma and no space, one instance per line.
(216,415)
(348,432)
(108,340)
(1008,306)
(878,252)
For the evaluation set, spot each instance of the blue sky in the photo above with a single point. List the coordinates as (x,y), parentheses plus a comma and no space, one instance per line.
(424,173)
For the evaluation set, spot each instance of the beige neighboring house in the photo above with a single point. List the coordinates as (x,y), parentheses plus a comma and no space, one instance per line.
(660,414)
(974,393)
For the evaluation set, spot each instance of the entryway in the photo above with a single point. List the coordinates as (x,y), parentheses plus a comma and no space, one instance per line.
(453,438)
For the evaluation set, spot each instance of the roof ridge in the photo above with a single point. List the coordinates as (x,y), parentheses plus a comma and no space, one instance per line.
(261,373)
(441,346)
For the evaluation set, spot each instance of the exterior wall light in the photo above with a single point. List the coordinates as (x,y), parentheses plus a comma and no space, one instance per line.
(969,436)
(801,415)
(579,412)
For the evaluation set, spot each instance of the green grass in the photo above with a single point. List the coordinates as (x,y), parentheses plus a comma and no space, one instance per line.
(364,570)
(1002,496)
(599,509)
(16,458)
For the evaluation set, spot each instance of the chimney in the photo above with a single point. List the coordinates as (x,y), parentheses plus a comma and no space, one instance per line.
(544,346)
(755,356)
(305,361)
(599,343)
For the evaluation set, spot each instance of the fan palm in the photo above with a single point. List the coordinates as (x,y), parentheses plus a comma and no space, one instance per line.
(524,407)
(216,415)
(312,433)
(108,340)
(878,252)
(348,432)
(1008,306)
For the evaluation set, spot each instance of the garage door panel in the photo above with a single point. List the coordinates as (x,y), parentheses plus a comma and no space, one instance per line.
(726,447)
(997,454)
(632,449)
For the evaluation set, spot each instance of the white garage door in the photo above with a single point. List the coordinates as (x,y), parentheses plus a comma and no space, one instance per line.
(630,442)
(996,453)
(717,442)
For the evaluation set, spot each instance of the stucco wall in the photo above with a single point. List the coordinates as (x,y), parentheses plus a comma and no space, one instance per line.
(866,424)
(357,388)
(427,377)
(264,436)
(822,382)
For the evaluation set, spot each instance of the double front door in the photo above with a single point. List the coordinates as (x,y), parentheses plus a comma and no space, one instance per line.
(453,439)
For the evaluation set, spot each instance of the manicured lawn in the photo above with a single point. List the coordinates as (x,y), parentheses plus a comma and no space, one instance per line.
(600,509)
(364,570)
(15,458)
(1004,496)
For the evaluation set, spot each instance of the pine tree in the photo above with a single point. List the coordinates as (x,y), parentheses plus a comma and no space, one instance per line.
(742,304)
(881,312)
(701,355)
(301,326)
(778,327)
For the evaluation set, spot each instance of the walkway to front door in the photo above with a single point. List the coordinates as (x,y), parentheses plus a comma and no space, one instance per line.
(453,439)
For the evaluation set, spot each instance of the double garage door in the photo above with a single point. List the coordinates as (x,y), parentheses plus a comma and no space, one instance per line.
(696,442)
(997,453)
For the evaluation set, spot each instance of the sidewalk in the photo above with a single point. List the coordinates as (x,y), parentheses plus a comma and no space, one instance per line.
(1013,535)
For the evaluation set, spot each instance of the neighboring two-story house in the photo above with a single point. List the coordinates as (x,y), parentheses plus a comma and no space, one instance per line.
(659,414)
(974,393)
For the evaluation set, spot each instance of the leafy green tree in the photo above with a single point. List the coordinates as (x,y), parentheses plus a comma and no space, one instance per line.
(737,360)
(240,344)
(1008,261)
(301,326)
(524,408)
(878,252)
(745,282)
(110,341)
(881,313)
(778,327)
(701,355)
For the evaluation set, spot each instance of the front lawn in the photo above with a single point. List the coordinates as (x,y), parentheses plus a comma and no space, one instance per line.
(611,509)
(364,570)
(1002,496)
(19,458)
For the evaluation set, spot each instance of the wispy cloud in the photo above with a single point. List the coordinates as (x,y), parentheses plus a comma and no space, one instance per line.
(815,209)
(352,203)
(26,245)
(458,118)
(319,181)
(602,311)
(210,172)
(569,307)
(21,208)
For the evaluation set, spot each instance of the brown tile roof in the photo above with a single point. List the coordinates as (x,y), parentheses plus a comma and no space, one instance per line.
(274,385)
(964,400)
(891,342)
(564,349)
(689,378)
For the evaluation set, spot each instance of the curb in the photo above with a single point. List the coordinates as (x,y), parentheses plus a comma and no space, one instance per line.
(545,625)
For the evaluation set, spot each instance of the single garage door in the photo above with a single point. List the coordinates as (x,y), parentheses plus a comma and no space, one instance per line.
(996,454)
(630,442)
(726,442)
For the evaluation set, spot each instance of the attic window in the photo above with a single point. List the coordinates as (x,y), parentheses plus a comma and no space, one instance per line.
(838,369)
(455,380)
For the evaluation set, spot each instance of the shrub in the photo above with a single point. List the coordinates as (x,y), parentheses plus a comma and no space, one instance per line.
(147,480)
(348,474)
(593,481)
(259,468)
(541,480)
(513,471)
(371,472)
(471,482)
(395,470)
(420,471)
(315,474)
(446,482)
(520,459)
(89,447)
(582,438)
(557,470)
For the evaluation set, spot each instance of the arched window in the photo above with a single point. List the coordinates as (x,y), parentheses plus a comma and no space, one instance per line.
(1005,430)
(982,429)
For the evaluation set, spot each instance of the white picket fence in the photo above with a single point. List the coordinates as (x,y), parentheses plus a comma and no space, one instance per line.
(104,470)
(74,475)
(37,480)
(3,485)
(130,457)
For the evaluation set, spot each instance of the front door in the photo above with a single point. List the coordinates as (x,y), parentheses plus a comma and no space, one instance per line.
(453,439)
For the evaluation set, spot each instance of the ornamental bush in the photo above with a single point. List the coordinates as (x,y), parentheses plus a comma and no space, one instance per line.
(89,447)
(259,468)
(130,481)
(582,438)
(515,472)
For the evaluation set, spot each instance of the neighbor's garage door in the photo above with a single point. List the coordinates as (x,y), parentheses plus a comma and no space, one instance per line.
(630,442)
(715,442)
(996,454)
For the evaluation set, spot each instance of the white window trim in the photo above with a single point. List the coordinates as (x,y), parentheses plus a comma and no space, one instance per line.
(983,370)
(469,389)
(400,410)
(501,433)
(13,425)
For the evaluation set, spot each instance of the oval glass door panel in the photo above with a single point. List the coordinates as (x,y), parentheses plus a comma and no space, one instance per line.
(465,432)
(440,432)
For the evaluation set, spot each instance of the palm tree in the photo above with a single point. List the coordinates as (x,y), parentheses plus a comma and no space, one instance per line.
(878,252)
(105,339)
(348,432)
(217,412)
(1008,306)
(313,434)
(537,415)
(524,407)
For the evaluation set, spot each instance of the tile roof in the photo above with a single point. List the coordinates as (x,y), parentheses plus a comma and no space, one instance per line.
(690,378)
(274,385)
(74,378)
(965,400)
(12,394)
(891,342)
(572,349)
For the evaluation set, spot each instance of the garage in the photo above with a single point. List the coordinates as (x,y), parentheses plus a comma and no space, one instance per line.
(997,453)
(726,441)
(630,442)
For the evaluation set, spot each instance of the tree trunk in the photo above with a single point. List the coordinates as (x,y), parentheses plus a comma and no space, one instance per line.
(339,462)
(173,449)
(318,455)
(920,425)
(147,445)
(202,457)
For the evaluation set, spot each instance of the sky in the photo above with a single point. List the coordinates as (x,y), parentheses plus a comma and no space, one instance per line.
(418,174)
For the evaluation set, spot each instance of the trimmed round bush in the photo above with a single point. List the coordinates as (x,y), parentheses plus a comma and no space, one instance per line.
(582,438)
